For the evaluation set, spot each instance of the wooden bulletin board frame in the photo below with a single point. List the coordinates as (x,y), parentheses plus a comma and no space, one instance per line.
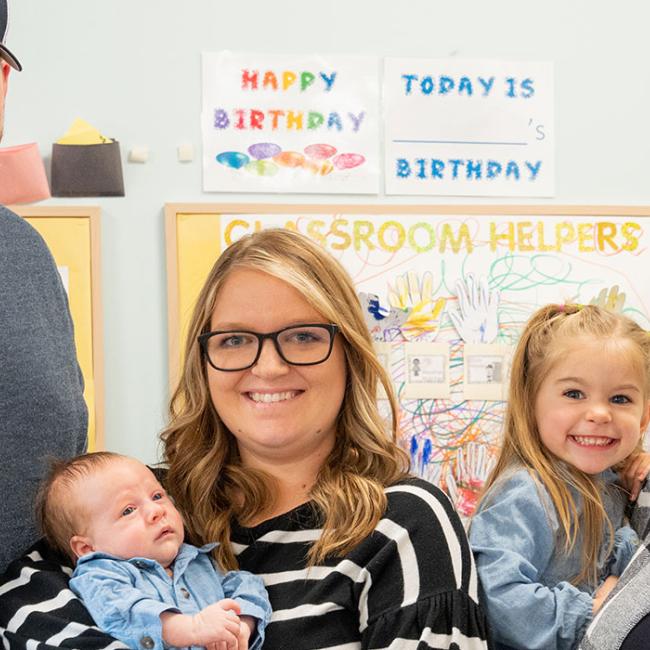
(72,235)
(189,239)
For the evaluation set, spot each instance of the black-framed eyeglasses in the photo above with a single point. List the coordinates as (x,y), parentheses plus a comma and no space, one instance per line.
(299,345)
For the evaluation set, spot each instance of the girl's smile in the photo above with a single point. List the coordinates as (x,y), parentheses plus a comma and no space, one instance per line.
(591,441)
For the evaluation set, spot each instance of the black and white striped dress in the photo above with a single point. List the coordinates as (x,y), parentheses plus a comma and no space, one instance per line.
(411,584)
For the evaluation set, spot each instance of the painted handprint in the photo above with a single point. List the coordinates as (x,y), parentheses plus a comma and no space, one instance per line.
(477,319)
(610,299)
(413,296)
(473,466)
(382,323)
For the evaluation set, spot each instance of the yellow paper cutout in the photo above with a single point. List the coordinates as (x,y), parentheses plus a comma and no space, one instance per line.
(83,133)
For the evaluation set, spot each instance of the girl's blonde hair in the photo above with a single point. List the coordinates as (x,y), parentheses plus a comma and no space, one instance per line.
(206,477)
(547,336)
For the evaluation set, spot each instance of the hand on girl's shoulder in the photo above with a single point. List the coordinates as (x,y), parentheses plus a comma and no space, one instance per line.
(639,513)
(635,473)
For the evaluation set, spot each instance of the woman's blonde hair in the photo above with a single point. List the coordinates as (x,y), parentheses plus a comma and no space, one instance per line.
(546,337)
(206,477)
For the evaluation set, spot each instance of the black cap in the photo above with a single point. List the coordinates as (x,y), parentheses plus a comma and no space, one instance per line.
(4,51)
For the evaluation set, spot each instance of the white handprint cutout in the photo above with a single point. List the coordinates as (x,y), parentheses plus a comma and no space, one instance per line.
(477,319)
(473,467)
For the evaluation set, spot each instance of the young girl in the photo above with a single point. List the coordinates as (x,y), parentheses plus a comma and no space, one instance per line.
(549,537)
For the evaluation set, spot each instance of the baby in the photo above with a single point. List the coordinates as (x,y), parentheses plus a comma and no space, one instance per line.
(139,581)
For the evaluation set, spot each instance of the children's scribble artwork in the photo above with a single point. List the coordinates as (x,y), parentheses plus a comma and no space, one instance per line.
(445,297)
(469,127)
(290,124)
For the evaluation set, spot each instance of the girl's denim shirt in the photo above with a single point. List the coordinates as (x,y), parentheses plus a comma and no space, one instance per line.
(525,571)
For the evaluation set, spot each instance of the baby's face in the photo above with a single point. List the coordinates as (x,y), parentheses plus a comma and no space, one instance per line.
(128,514)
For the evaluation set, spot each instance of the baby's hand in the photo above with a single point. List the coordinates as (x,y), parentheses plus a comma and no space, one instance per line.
(216,627)
(247,627)
(634,473)
(218,622)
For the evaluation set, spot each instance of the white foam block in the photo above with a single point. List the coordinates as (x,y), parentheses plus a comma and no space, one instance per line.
(139,154)
(185,152)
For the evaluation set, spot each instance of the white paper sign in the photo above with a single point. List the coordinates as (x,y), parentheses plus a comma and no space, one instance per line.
(469,128)
(274,123)
(64,272)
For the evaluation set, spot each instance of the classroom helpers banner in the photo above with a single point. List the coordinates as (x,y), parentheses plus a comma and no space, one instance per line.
(468,128)
(539,258)
(274,123)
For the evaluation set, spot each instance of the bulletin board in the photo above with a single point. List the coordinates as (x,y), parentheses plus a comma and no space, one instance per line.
(72,235)
(445,290)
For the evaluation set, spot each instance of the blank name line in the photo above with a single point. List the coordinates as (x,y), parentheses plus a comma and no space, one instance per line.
(518,144)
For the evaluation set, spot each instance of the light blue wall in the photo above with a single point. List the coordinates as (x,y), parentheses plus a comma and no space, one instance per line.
(132,69)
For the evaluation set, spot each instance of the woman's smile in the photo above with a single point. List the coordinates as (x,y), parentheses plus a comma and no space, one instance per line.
(273,397)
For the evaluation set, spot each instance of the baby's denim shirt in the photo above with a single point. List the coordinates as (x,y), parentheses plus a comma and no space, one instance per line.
(524,570)
(126,597)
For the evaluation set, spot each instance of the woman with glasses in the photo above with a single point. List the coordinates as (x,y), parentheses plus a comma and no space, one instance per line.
(276,450)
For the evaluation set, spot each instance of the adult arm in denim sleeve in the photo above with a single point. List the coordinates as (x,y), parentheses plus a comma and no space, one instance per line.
(513,536)
(249,592)
(107,590)
(626,543)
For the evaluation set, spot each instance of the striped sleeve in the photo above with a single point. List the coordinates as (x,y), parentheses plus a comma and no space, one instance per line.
(423,589)
(38,610)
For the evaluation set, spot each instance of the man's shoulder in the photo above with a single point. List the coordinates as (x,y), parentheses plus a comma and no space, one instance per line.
(10,220)
(16,232)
